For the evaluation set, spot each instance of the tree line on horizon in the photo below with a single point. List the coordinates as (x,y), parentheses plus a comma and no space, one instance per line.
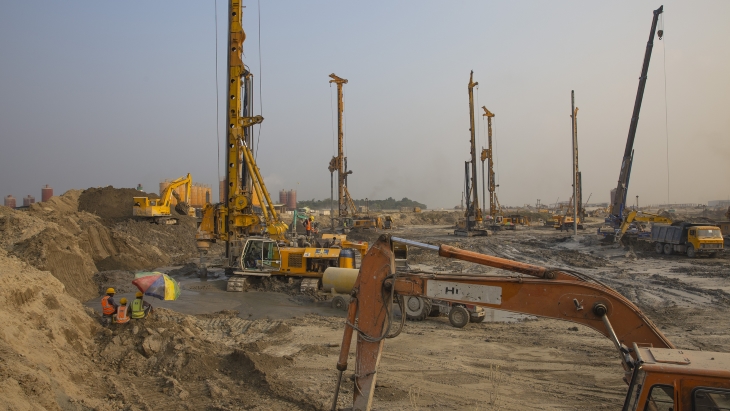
(388,204)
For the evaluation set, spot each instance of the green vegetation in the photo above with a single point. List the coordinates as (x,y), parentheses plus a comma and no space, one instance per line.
(388,204)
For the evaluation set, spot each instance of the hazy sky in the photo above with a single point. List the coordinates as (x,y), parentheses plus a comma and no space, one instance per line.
(119,93)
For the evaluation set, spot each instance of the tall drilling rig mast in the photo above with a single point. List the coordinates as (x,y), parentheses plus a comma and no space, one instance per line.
(240,217)
(472,223)
(488,155)
(474,213)
(577,197)
(339,163)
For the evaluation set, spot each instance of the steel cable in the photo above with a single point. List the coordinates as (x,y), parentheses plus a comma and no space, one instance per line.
(217,102)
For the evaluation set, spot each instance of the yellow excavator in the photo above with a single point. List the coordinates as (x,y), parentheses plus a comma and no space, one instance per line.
(158,209)
(255,237)
(642,217)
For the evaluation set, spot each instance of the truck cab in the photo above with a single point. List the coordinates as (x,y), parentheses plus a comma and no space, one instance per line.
(706,239)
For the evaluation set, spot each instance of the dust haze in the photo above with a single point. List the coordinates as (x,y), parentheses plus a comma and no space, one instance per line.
(119,94)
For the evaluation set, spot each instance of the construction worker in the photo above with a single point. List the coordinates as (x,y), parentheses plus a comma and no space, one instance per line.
(108,307)
(308,225)
(140,308)
(122,312)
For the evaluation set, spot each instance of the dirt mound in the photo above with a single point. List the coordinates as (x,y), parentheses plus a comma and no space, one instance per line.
(60,253)
(54,355)
(120,280)
(211,361)
(109,202)
(172,244)
(66,203)
(427,218)
(74,245)
(16,226)
(45,343)
(277,284)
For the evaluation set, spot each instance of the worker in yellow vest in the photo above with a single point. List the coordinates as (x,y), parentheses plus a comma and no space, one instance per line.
(140,308)
(108,307)
(122,312)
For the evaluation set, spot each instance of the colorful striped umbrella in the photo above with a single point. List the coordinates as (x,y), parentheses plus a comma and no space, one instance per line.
(157,285)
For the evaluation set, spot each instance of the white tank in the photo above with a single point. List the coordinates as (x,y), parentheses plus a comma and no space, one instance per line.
(341,279)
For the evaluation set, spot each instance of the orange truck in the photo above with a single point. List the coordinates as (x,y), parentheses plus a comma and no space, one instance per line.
(660,376)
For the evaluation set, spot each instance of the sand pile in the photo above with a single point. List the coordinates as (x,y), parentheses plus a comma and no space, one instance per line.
(45,343)
(54,355)
(58,236)
(109,202)
(209,361)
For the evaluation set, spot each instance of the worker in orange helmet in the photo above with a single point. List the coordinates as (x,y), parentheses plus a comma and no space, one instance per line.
(122,312)
(108,307)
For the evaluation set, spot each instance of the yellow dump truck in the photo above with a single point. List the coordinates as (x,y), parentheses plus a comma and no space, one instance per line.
(687,238)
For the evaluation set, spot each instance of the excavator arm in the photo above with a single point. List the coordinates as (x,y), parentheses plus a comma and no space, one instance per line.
(547,293)
(640,216)
(166,195)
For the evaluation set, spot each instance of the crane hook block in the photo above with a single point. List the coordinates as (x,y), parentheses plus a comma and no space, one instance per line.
(660,33)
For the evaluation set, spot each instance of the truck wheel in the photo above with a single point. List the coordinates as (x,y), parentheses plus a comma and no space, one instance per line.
(459,316)
(712,255)
(659,248)
(435,311)
(339,303)
(417,308)
(690,251)
(668,249)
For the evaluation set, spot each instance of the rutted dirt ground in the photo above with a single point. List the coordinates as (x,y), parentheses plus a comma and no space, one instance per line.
(274,349)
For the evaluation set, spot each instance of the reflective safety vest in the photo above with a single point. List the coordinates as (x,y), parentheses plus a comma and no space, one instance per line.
(137,308)
(106,307)
(307,225)
(123,314)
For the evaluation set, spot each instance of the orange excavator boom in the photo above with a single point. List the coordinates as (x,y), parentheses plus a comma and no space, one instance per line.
(551,293)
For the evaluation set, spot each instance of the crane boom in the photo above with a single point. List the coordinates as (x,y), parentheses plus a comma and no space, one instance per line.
(618,202)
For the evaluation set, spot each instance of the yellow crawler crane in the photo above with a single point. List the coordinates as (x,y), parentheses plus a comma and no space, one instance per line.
(158,209)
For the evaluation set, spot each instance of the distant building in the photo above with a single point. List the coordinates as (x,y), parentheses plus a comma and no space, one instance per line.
(719,203)
(46,193)
(9,201)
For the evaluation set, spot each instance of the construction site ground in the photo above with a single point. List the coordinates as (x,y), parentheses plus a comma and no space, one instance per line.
(274,348)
